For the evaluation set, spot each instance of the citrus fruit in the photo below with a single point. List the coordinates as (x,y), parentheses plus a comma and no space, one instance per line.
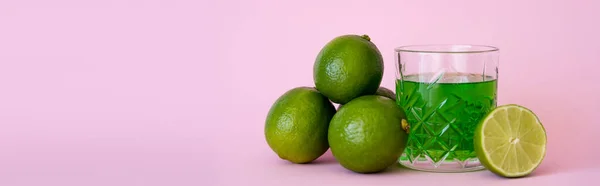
(382,91)
(366,136)
(510,141)
(347,67)
(297,123)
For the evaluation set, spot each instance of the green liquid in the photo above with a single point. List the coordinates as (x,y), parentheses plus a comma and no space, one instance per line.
(444,114)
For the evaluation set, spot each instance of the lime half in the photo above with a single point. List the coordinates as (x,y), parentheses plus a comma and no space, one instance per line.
(510,141)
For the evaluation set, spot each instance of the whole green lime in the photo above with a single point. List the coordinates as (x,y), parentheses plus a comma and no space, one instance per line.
(382,91)
(366,135)
(297,123)
(347,67)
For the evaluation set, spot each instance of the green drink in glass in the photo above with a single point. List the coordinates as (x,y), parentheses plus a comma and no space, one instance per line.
(445,91)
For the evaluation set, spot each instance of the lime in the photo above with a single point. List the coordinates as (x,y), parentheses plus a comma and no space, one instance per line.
(366,136)
(510,141)
(297,123)
(382,91)
(347,67)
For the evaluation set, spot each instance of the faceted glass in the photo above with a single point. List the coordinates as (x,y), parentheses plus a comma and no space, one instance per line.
(445,91)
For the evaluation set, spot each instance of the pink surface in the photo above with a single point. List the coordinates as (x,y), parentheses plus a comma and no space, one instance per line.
(175,92)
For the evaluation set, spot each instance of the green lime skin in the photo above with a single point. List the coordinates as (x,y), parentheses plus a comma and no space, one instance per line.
(348,67)
(517,138)
(297,123)
(366,135)
(382,91)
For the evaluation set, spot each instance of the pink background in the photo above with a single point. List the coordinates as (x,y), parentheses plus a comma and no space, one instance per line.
(175,92)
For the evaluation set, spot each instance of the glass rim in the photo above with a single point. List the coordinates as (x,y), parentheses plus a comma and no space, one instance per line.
(447,48)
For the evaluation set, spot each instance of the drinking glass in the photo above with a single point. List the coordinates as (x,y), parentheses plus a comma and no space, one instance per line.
(445,90)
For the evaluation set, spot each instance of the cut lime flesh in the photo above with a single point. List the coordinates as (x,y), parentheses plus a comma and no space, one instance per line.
(510,141)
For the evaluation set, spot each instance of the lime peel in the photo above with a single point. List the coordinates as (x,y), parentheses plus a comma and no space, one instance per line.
(510,141)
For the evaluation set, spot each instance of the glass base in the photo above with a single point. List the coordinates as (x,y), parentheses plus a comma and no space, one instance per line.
(426,164)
